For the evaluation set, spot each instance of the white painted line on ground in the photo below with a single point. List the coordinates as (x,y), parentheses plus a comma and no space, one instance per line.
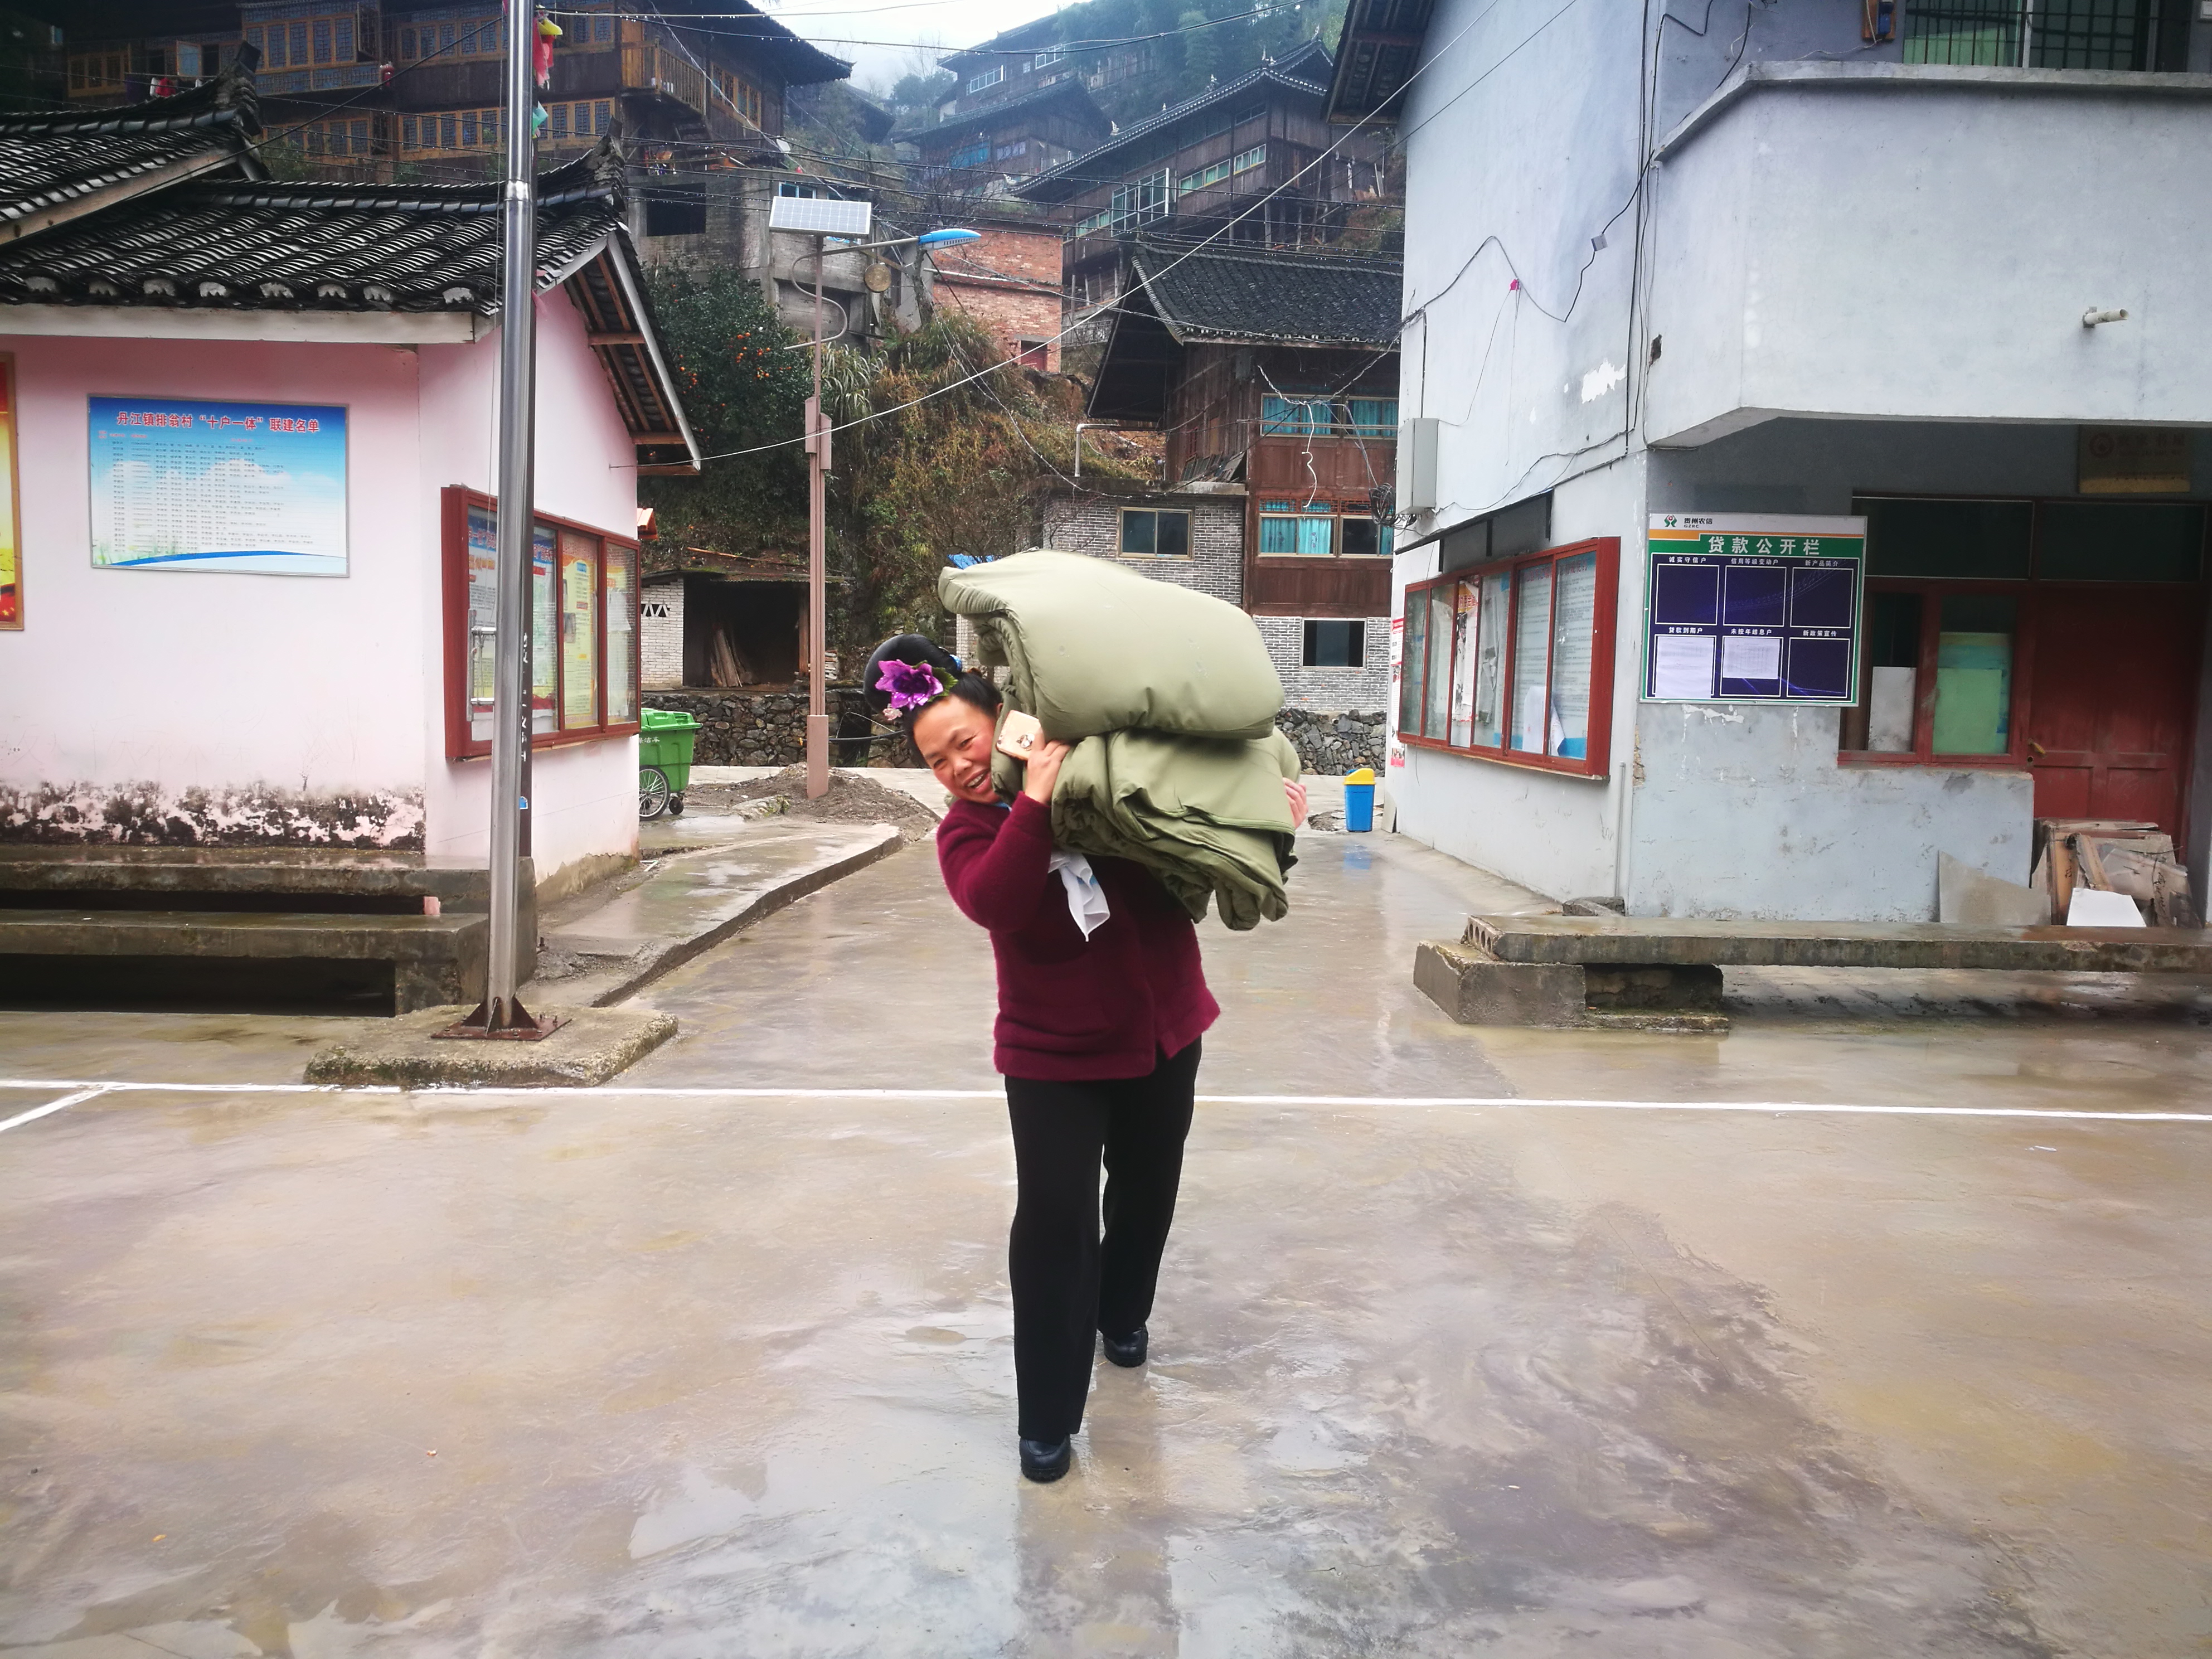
(644,1091)
(52,1107)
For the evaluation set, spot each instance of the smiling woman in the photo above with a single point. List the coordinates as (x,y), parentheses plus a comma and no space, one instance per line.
(1102,1000)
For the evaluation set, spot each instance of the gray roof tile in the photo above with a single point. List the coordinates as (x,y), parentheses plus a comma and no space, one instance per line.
(1282,298)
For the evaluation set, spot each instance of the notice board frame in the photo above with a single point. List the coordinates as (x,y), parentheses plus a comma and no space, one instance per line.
(1770,550)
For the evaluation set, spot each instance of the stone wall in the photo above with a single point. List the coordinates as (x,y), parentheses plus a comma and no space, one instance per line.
(1333,745)
(769,728)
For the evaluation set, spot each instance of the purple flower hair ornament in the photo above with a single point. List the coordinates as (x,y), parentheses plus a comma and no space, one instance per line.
(911,684)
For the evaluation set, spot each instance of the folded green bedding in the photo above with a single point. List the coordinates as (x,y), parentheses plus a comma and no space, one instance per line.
(1207,816)
(1090,647)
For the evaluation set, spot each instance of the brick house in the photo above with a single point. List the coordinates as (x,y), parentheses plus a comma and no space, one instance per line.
(1272,377)
(1009,281)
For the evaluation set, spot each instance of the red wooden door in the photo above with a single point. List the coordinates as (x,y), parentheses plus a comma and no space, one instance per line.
(2112,702)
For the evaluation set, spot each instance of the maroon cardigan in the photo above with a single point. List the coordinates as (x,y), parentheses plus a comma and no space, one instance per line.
(1072,1009)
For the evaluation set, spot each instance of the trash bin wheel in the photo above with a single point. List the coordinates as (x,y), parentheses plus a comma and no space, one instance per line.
(651,791)
(676,806)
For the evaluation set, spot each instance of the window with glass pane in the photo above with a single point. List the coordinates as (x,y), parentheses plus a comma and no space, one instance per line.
(1317,535)
(1574,612)
(1467,598)
(1293,417)
(579,630)
(1335,644)
(1375,417)
(1435,720)
(621,634)
(544,657)
(1487,724)
(1527,672)
(482,609)
(1532,639)
(1414,662)
(1973,673)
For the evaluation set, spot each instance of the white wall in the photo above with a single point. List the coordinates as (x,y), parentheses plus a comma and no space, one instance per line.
(297,701)
(1553,832)
(586,796)
(1903,253)
(1912,242)
(309,709)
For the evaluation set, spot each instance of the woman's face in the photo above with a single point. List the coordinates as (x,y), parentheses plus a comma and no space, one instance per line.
(954,736)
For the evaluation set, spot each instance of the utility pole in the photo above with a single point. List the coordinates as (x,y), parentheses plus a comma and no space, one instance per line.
(817,568)
(501,1013)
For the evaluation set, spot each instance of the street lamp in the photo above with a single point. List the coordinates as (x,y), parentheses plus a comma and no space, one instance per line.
(822,218)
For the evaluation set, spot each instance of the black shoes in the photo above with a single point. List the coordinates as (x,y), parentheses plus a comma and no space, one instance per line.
(1125,1351)
(1046,1461)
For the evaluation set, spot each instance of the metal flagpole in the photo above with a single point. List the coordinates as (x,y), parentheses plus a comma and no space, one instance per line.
(501,1013)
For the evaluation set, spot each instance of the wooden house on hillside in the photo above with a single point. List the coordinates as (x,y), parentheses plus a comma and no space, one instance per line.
(1273,377)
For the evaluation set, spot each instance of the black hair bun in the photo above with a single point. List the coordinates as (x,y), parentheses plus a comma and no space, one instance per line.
(908,648)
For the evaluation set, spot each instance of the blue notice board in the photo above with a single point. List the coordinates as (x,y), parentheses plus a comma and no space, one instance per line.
(1741,608)
(179,483)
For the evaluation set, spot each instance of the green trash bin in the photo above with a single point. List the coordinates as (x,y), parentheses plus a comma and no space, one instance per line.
(664,741)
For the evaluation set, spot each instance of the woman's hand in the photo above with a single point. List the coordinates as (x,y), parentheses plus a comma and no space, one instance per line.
(1042,770)
(1296,789)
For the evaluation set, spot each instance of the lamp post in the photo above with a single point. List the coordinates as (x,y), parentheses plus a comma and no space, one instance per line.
(849,222)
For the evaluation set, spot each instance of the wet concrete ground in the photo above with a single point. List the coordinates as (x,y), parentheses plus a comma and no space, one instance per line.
(684,1375)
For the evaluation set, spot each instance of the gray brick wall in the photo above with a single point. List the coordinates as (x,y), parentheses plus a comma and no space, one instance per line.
(661,636)
(1215,564)
(1329,690)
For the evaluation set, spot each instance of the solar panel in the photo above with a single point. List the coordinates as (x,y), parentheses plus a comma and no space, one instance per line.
(819,216)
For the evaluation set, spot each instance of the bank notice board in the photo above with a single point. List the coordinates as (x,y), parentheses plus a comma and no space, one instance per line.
(1742,608)
(184,484)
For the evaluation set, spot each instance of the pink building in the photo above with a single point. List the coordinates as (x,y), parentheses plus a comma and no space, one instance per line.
(252,430)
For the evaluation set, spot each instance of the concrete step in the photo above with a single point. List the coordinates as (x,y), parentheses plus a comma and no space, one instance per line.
(1639,941)
(163,876)
(434,959)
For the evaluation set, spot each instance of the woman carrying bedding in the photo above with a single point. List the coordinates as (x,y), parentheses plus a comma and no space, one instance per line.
(1101,1004)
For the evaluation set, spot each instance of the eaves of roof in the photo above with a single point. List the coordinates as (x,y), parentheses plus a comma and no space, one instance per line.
(59,167)
(1042,31)
(324,246)
(1080,171)
(1072,90)
(1205,295)
(1376,55)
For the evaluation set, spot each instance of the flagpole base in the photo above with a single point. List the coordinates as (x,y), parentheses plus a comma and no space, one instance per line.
(504,1022)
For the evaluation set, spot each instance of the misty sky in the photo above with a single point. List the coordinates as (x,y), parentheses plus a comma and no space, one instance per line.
(943,22)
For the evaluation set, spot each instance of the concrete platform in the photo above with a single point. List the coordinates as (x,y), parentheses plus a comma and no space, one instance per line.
(1811,1340)
(434,958)
(595,1045)
(1668,940)
(598,953)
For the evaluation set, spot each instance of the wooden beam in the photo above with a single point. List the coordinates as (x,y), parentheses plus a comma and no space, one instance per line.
(641,439)
(616,338)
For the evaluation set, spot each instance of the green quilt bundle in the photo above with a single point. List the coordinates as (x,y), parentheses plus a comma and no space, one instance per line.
(1169,698)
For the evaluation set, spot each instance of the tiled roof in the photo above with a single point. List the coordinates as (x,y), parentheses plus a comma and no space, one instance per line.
(1376,55)
(311,246)
(76,159)
(1071,91)
(1304,70)
(1207,292)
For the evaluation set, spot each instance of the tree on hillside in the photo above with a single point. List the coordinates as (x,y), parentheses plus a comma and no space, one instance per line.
(740,388)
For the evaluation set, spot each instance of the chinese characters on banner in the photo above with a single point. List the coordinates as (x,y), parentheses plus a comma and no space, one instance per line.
(180,484)
(1397,750)
(11,517)
(1741,609)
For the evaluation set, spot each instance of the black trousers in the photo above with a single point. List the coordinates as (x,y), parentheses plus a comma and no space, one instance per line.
(1068,1284)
